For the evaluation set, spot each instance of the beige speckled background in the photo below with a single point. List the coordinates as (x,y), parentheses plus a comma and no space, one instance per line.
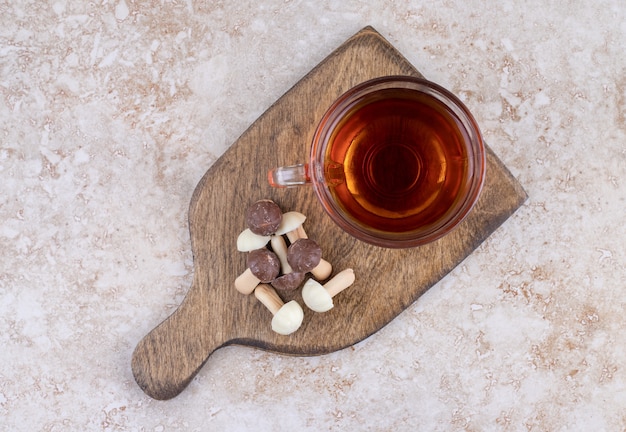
(110,113)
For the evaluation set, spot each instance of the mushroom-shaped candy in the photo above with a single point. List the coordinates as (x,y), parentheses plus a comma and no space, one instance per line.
(291,224)
(305,255)
(320,297)
(263,266)
(249,241)
(292,227)
(288,282)
(287,316)
(263,217)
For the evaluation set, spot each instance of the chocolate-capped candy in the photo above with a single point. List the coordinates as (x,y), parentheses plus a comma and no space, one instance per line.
(264,264)
(288,282)
(263,217)
(304,255)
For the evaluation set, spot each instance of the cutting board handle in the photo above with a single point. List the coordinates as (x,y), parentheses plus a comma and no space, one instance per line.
(167,358)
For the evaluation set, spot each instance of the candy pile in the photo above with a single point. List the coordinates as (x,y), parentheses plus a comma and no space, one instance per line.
(280,256)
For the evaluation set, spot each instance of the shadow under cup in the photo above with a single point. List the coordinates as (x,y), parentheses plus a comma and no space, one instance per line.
(397,162)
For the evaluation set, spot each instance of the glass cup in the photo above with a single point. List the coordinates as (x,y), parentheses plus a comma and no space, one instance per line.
(396,162)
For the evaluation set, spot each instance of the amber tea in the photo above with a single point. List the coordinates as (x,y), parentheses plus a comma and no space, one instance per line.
(397,161)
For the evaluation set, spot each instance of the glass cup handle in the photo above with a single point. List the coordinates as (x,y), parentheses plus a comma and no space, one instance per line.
(289,176)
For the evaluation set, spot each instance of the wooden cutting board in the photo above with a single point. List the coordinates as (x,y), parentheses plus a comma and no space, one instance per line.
(214,314)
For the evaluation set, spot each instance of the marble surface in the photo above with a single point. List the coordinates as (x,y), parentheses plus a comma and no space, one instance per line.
(110,113)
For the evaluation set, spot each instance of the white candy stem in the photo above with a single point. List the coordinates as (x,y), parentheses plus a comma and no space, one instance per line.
(340,282)
(279,246)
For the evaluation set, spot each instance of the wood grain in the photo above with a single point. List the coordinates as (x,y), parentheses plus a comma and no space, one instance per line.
(214,314)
